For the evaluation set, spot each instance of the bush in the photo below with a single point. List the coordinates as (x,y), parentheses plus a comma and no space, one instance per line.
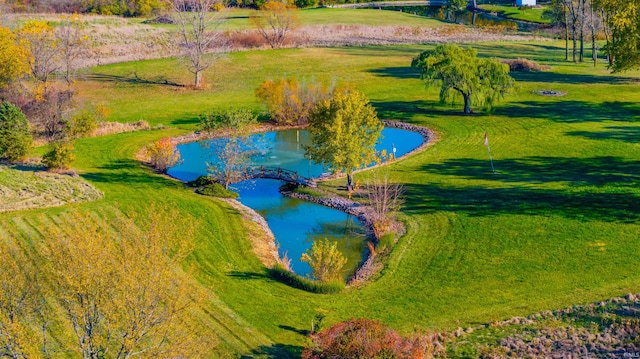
(306,3)
(15,138)
(231,119)
(83,125)
(368,339)
(325,260)
(163,154)
(524,65)
(201,181)
(280,273)
(60,155)
(216,190)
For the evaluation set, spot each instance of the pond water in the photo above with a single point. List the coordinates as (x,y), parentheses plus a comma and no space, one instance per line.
(296,224)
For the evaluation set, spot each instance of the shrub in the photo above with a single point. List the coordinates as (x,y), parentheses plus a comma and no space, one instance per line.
(325,260)
(368,339)
(306,3)
(163,154)
(15,138)
(225,120)
(525,65)
(216,190)
(280,273)
(60,155)
(83,125)
(201,181)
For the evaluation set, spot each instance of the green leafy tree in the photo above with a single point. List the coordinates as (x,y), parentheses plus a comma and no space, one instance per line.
(456,7)
(15,138)
(326,260)
(60,155)
(480,82)
(343,132)
(623,40)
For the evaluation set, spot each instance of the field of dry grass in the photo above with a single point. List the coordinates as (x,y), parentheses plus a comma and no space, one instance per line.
(116,40)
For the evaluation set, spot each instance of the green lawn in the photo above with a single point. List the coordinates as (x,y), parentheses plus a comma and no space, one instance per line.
(510,12)
(556,226)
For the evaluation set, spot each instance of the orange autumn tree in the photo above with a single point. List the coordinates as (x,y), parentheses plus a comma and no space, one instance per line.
(163,154)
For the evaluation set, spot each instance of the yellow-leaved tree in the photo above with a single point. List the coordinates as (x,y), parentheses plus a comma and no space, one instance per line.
(13,57)
(274,21)
(39,38)
(102,287)
(121,284)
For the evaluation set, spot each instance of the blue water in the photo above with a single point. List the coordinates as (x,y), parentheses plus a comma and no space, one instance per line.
(296,224)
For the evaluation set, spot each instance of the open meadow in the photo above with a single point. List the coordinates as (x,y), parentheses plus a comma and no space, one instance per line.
(558,224)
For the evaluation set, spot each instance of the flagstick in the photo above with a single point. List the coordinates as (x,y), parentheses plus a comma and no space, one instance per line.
(490,159)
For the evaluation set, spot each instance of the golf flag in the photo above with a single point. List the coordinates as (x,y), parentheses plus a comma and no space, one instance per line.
(486,143)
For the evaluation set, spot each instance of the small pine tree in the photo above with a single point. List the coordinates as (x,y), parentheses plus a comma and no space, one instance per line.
(325,260)
(15,138)
(60,155)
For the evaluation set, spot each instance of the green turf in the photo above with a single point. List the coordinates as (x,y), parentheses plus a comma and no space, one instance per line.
(556,226)
(510,12)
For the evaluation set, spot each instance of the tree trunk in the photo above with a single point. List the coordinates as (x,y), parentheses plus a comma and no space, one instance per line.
(582,17)
(473,18)
(198,81)
(467,104)
(594,45)
(575,42)
(349,180)
(566,35)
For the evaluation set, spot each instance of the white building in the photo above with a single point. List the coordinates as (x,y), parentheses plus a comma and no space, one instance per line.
(525,2)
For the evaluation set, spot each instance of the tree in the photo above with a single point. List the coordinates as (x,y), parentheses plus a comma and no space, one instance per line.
(196,24)
(60,155)
(289,101)
(623,42)
(343,131)
(455,7)
(163,154)
(13,57)
(235,150)
(72,42)
(121,286)
(274,21)
(480,82)
(21,304)
(325,260)
(384,197)
(15,138)
(39,38)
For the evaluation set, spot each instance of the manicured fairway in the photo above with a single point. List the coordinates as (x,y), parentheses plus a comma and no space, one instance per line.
(556,226)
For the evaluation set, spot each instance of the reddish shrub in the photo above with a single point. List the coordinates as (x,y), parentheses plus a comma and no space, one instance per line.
(368,339)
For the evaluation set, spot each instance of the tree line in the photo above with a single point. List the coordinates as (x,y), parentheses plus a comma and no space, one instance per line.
(617,22)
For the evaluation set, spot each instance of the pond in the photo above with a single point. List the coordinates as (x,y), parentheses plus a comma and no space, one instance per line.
(295,223)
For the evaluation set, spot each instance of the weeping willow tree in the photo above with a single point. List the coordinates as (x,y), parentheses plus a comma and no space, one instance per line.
(460,73)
